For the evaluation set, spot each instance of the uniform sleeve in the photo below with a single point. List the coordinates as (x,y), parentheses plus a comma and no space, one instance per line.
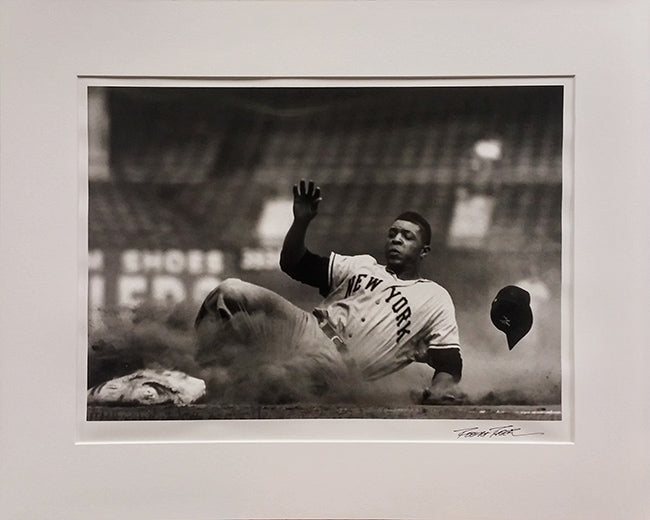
(443,342)
(312,270)
(448,360)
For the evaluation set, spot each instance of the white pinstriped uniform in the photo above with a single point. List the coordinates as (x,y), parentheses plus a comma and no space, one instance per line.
(385,323)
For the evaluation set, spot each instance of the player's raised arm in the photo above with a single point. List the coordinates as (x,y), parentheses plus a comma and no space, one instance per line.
(295,259)
(306,198)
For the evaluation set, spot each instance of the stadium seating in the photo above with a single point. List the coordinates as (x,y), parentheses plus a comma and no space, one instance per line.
(195,171)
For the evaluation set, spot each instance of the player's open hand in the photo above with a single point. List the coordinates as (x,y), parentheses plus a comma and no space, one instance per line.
(443,390)
(433,397)
(306,198)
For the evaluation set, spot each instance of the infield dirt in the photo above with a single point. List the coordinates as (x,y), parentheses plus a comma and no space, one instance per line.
(310,411)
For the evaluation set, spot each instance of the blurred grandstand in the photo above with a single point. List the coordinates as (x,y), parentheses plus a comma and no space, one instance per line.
(191,185)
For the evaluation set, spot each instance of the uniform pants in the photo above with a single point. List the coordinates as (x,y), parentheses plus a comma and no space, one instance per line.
(278,328)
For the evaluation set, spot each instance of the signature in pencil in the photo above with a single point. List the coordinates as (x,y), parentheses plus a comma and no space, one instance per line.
(505,431)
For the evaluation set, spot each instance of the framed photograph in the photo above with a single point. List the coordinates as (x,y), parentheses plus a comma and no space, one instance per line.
(152,158)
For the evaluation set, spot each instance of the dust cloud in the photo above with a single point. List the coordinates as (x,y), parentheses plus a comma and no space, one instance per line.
(253,360)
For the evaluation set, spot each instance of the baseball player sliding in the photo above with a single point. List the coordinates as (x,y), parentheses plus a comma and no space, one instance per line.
(374,320)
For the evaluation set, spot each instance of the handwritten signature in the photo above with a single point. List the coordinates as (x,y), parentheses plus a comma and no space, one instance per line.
(508,430)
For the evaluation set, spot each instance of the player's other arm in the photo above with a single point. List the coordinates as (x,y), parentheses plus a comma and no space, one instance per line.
(295,259)
(443,354)
(447,364)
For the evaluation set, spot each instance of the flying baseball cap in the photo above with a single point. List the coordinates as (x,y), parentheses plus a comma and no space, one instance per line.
(511,313)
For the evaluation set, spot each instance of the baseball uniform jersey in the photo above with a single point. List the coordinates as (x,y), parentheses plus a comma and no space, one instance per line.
(384,322)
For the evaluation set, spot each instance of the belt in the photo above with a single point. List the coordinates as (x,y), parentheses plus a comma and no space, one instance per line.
(330,331)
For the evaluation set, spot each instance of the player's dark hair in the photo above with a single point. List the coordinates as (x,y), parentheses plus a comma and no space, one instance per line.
(416,218)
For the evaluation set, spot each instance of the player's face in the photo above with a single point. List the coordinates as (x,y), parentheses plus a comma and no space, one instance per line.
(404,246)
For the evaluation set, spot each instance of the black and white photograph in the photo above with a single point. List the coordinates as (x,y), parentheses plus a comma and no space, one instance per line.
(326,251)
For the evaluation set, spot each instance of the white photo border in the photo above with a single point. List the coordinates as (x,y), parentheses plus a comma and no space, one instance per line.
(330,430)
